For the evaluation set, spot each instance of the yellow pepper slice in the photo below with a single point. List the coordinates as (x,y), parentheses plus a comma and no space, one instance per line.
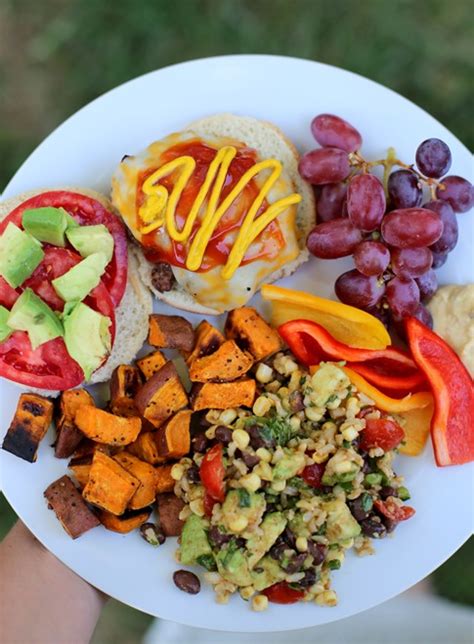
(416,425)
(347,324)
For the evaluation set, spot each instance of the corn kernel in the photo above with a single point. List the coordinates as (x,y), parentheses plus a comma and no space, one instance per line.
(247,592)
(197,507)
(264,455)
(213,416)
(342,467)
(238,524)
(260,602)
(279,486)
(262,405)
(350,433)
(177,472)
(326,598)
(264,373)
(301,544)
(264,470)
(295,423)
(251,482)
(227,416)
(241,438)
(313,413)
(336,556)
(352,407)
(320,457)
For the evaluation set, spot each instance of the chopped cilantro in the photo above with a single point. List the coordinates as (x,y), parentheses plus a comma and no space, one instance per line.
(244,498)
(207,561)
(273,430)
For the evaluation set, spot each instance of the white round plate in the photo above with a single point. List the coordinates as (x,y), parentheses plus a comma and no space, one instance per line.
(84,151)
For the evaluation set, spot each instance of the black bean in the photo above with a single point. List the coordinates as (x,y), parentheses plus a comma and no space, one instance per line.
(386,491)
(192,474)
(357,509)
(240,542)
(289,537)
(223,434)
(257,440)
(162,277)
(389,524)
(373,527)
(296,401)
(318,551)
(308,580)
(152,534)
(187,581)
(199,443)
(218,538)
(295,564)
(277,550)
(366,466)
(249,459)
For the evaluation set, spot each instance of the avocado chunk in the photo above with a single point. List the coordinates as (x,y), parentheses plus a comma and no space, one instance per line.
(47,224)
(267,573)
(88,240)
(272,526)
(288,466)
(31,314)
(87,336)
(327,381)
(298,526)
(340,524)
(252,511)
(232,565)
(81,279)
(194,541)
(346,477)
(20,254)
(5,330)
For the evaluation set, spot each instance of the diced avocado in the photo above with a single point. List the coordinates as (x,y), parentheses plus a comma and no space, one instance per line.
(346,477)
(288,466)
(92,239)
(87,336)
(31,314)
(267,573)
(194,541)
(232,508)
(327,381)
(47,224)
(298,526)
(5,330)
(272,526)
(79,281)
(340,524)
(20,254)
(232,565)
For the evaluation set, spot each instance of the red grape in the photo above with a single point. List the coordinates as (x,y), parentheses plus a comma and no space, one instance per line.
(326,165)
(333,239)
(404,189)
(366,202)
(358,290)
(421,314)
(428,285)
(332,131)
(449,238)
(403,296)
(411,227)
(330,201)
(371,257)
(439,259)
(433,157)
(458,192)
(411,262)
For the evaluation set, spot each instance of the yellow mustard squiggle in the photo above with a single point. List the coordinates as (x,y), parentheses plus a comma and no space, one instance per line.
(158,200)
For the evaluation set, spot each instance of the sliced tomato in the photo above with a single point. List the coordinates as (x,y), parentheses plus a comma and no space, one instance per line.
(8,295)
(381,432)
(87,211)
(390,509)
(282,593)
(313,474)
(212,472)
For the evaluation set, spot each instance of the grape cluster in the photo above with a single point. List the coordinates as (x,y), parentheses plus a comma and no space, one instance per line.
(396,236)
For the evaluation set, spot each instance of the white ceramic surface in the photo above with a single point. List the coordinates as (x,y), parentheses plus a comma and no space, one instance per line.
(84,151)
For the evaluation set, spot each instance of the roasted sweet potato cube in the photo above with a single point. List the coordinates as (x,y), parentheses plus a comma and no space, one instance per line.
(208,340)
(109,486)
(252,333)
(174,438)
(126,522)
(69,435)
(224,365)
(164,481)
(29,425)
(170,332)
(75,516)
(87,447)
(145,473)
(146,448)
(222,395)
(169,507)
(151,363)
(81,468)
(124,384)
(104,427)
(161,396)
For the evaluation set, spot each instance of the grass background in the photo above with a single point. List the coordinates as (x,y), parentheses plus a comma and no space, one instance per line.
(56,55)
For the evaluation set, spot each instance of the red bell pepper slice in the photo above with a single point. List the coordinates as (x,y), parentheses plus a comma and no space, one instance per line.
(381,432)
(390,509)
(311,343)
(282,593)
(313,474)
(212,472)
(390,384)
(452,424)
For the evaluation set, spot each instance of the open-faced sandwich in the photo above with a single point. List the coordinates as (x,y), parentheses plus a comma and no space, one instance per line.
(72,306)
(218,209)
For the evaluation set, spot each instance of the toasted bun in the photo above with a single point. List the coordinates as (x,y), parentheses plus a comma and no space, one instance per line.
(131,316)
(270,142)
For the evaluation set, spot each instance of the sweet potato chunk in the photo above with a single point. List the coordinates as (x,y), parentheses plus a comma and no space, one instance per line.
(174,439)
(161,396)
(68,434)
(127,522)
(103,427)
(208,340)
(170,332)
(124,384)
(222,395)
(81,468)
(169,507)
(109,486)
(70,508)
(88,448)
(226,364)
(252,333)
(29,425)
(164,480)
(146,448)
(145,473)
(151,363)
